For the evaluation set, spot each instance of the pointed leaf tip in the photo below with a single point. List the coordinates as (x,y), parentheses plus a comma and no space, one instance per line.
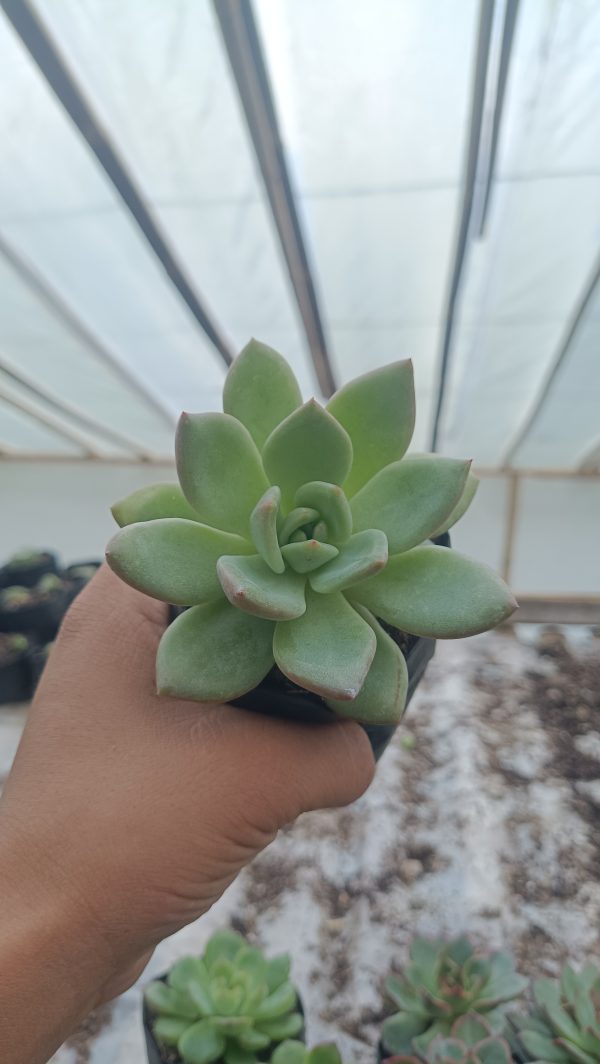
(219,470)
(260,390)
(309,445)
(378,412)
(252,586)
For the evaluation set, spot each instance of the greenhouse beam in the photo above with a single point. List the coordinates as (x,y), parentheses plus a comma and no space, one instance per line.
(44,52)
(244,51)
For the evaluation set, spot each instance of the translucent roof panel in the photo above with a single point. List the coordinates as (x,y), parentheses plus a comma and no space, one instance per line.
(526,277)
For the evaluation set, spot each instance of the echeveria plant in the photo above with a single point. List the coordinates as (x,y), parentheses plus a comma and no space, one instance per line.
(293,1052)
(229,1004)
(564,1027)
(471,1041)
(294,529)
(444,981)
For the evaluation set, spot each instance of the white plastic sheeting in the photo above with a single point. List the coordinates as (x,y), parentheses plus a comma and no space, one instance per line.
(99,351)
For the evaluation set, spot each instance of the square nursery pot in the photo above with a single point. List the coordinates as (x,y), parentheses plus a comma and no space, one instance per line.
(40,618)
(15,674)
(169,1055)
(29,575)
(276,696)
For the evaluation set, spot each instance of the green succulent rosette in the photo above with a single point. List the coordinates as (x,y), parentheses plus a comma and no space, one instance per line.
(564,1026)
(471,1041)
(294,529)
(229,1005)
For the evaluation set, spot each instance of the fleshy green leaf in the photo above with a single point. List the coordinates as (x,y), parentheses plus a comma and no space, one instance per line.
(260,390)
(382,697)
(289,1052)
(494,1051)
(172,559)
(308,554)
(284,1027)
(433,591)
(219,469)
(169,1029)
(305,651)
(251,586)
(363,555)
(253,1039)
(327,1053)
(234,1054)
(263,526)
(308,445)
(147,504)
(169,1002)
(378,412)
(542,1048)
(409,499)
(470,1028)
(332,505)
(399,1030)
(276,1004)
(278,970)
(302,515)
(223,945)
(469,492)
(201,1043)
(213,653)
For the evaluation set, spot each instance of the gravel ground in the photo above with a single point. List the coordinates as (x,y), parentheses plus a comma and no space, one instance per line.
(483,818)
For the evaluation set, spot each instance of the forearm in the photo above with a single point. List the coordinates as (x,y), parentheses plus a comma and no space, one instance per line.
(50,973)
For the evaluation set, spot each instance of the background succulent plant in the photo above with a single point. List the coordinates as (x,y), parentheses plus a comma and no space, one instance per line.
(295,527)
(443,981)
(565,1025)
(229,1004)
(471,1041)
(294,1052)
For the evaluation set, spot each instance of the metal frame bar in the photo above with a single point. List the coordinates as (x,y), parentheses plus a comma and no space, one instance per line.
(590,462)
(510,528)
(63,311)
(508,31)
(86,422)
(54,68)
(242,43)
(484,35)
(50,422)
(536,407)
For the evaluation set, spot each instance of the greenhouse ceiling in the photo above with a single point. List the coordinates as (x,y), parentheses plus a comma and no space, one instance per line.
(352,183)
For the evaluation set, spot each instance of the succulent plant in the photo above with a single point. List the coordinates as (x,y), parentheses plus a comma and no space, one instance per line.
(49,583)
(471,1041)
(24,558)
(82,572)
(293,1052)
(229,1004)
(297,527)
(12,598)
(443,981)
(565,1024)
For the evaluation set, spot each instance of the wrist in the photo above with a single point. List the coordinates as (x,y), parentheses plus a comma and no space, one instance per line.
(53,965)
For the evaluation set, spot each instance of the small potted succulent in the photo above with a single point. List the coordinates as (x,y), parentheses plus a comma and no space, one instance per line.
(15,680)
(27,567)
(294,1052)
(471,1041)
(300,539)
(564,1027)
(444,981)
(231,1005)
(37,610)
(78,575)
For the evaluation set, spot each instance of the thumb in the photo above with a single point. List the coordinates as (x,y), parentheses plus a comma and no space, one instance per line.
(293,768)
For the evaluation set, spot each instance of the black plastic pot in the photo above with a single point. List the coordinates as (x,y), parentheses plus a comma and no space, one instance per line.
(40,619)
(29,575)
(155,1054)
(15,679)
(277,696)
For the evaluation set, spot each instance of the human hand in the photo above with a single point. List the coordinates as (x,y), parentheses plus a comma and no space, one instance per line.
(127,815)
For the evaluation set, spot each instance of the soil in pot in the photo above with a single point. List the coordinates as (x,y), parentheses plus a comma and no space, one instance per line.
(27,568)
(161,1054)
(36,611)
(15,675)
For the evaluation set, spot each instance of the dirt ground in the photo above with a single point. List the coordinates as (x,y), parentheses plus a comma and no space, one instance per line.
(484,817)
